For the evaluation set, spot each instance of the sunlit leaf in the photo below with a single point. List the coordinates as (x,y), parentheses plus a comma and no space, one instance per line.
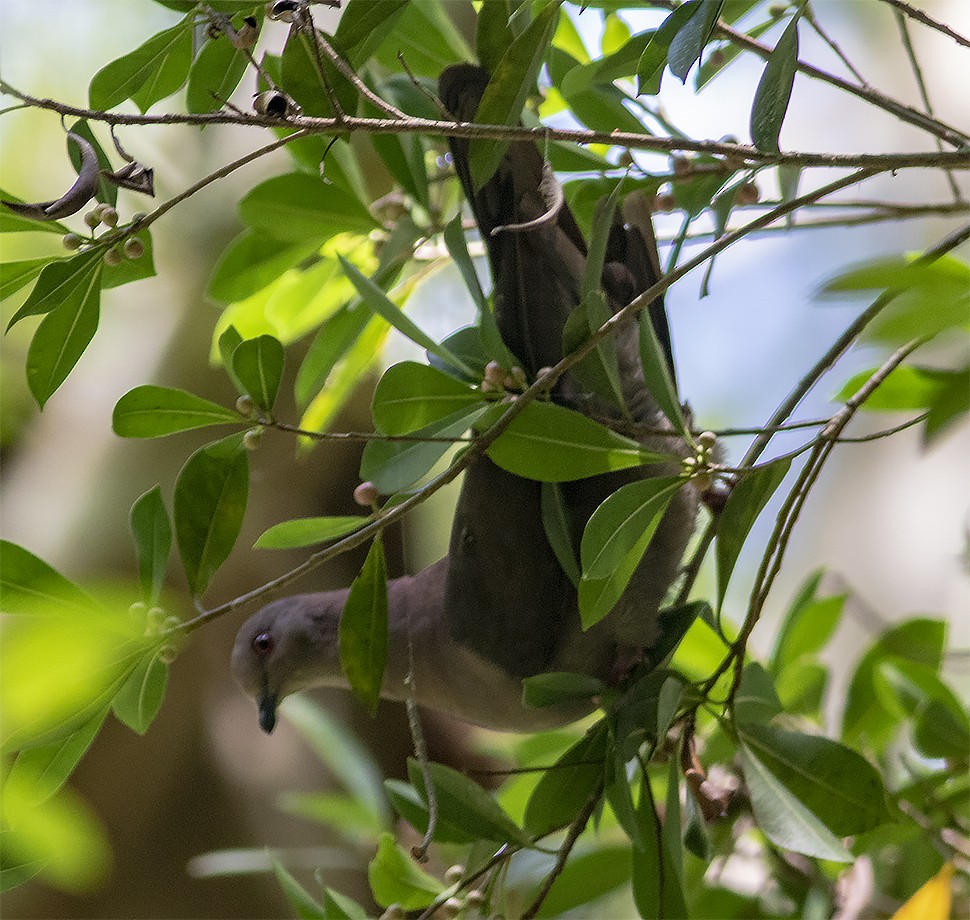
(60,281)
(151,412)
(30,585)
(774,91)
(308,531)
(410,396)
(258,365)
(395,878)
(932,901)
(152,534)
(140,697)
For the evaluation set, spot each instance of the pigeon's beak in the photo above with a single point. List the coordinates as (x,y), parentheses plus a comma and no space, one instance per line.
(267,710)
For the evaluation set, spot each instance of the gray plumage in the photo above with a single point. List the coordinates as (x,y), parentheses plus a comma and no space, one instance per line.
(499,607)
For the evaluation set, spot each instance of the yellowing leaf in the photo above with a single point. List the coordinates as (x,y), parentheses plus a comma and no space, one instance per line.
(932,901)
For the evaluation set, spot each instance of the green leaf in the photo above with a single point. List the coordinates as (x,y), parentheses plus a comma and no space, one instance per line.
(457,245)
(140,697)
(132,269)
(559,687)
(427,38)
(302,902)
(258,365)
(335,338)
(364,25)
(411,805)
(152,534)
(657,890)
(61,281)
(152,412)
(410,396)
(209,504)
(215,74)
(718,60)
(15,275)
(43,770)
(337,906)
(305,75)
(349,817)
(622,520)
(492,32)
(599,371)
(807,627)
(30,585)
(383,306)
(653,58)
(553,444)
(865,719)
(363,629)
(565,788)
(597,597)
(657,376)
(308,531)
(252,261)
(747,500)
(300,208)
(395,879)
(840,787)
(62,337)
(783,818)
(756,699)
(774,91)
(11,222)
(927,299)
(395,465)
(586,878)
(692,37)
(801,687)
(340,750)
(463,803)
(513,79)
(151,72)
(559,531)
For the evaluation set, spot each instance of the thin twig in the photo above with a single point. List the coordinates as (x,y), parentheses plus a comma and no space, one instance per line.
(225,24)
(927,20)
(420,852)
(955,159)
(575,829)
(355,436)
(809,16)
(306,31)
(505,852)
(435,101)
(921,84)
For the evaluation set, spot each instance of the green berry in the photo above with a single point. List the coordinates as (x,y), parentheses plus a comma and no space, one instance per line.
(113,257)
(134,248)
(245,406)
(72,241)
(92,219)
(253,438)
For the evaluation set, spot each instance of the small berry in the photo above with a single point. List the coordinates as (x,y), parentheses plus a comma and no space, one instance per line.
(137,610)
(475,898)
(777,10)
(253,438)
(72,241)
(366,494)
(92,219)
(680,165)
(245,406)
(452,907)
(707,439)
(394,912)
(702,481)
(454,873)
(494,373)
(171,622)
(134,248)
(663,202)
(138,217)
(108,215)
(113,257)
(167,654)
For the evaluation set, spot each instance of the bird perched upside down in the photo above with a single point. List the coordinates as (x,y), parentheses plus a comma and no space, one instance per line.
(499,607)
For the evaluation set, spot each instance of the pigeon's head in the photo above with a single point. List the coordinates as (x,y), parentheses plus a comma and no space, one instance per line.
(287,646)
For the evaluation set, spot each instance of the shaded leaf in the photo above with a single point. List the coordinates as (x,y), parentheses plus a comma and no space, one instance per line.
(931,902)
(774,91)
(305,905)
(151,412)
(559,687)
(657,890)
(558,527)
(61,281)
(363,629)
(364,25)
(554,444)
(653,57)
(756,699)
(209,504)
(657,375)
(15,275)
(152,535)
(692,37)
(214,75)
(258,365)
(395,879)
(410,396)
(140,697)
(747,500)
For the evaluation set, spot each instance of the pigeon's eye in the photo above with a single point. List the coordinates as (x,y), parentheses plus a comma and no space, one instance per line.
(263,644)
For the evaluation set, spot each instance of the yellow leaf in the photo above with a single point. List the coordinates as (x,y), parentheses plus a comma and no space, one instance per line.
(932,901)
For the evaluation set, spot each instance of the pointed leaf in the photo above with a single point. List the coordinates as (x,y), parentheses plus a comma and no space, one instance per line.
(209,504)
(140,697)
(748,497)
(152,534)
(688,44)
(363,629)
(395,879)
(783,818)
(30,585)
(559,687)
(653,58)
(553,444)
(622,520)
(62,337)
(302,902)
(258,365)
(381,304)
(308,531)
(151,72)
(215,74)
(60,281)
(512,80)
(558,528)
(363,26)
(774,91)
(410,396)
(152,412)
(657,376)
(657,890)
(597,597)
(840,787)
(15,275)
(756,700)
